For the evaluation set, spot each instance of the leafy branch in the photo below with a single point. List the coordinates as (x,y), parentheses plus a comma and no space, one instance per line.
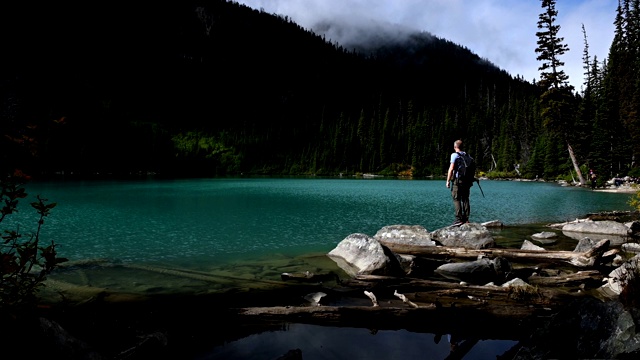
(24,260)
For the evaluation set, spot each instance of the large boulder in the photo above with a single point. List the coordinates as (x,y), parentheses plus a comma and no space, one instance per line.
(360,254)
(470,236)
(405,234)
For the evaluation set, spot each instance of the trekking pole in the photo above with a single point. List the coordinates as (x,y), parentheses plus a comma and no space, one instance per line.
(478,181)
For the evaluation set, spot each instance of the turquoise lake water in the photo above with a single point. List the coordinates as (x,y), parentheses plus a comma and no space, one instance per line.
(223,225)
(226,219)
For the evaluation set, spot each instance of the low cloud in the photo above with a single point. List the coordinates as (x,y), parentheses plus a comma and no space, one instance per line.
(500,31)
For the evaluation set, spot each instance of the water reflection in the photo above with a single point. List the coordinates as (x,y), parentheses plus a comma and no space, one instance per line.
(318,342)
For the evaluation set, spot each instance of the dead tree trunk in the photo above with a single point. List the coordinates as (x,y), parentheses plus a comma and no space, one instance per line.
(575,165)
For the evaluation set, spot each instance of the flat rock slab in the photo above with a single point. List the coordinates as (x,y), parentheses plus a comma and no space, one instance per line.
(598,227)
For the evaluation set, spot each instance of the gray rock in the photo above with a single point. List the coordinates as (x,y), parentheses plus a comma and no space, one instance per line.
(545,235)
(585,244)
(493,224)
(517,282)
(361,254)
(607,227)
(528,245)
(634,227)
(480,271)
(617,279)
(405,234)
(470,236)
(631,247)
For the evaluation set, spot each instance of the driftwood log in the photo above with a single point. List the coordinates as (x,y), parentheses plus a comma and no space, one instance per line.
(579,259)
(388,302)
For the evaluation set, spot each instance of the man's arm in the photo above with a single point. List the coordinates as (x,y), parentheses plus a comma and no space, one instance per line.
(450,174)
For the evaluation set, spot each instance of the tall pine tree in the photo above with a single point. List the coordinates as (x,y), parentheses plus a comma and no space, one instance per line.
(557,100)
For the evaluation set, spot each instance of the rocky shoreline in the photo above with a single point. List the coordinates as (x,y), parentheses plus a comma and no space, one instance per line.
(98,323)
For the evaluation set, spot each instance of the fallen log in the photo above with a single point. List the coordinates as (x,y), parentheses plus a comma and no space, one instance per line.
(576,279)
(506,321)
(579,259)
(309,277)
(424,291)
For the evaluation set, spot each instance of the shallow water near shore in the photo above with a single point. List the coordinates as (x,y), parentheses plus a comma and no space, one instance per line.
(201,236)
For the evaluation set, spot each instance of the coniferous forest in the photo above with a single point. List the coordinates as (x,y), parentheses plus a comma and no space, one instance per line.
(212,88)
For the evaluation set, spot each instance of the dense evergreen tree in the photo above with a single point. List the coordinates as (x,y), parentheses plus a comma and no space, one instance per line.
(212,87)
(557,100)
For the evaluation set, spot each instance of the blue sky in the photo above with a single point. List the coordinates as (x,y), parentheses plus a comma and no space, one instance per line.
(501,31)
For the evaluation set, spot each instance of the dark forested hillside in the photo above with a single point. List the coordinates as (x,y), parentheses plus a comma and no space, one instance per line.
(202,88)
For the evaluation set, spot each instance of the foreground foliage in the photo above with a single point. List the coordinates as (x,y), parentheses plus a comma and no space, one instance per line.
(24,260)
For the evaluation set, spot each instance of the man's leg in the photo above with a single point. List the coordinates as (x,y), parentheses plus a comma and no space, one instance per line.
(457,204)
(465,206)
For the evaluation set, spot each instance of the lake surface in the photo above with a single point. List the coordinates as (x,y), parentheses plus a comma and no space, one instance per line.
(223,220)
(199,236)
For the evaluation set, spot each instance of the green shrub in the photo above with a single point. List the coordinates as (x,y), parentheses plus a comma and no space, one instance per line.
(634,201)
(502,174)
(635,172)
(24,260)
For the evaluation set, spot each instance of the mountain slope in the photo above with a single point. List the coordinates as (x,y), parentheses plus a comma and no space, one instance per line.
(129,78)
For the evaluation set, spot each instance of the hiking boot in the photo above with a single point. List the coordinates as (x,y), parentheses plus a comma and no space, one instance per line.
(457,223)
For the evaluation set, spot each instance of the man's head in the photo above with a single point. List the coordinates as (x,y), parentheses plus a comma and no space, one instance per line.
(457,145)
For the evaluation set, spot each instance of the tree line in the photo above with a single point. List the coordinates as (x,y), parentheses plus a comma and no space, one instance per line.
(216,88)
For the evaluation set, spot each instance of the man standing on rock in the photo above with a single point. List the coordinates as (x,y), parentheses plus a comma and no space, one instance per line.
(459,190)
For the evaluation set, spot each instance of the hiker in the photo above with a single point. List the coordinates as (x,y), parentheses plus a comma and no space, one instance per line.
(593,178)
(459,190)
